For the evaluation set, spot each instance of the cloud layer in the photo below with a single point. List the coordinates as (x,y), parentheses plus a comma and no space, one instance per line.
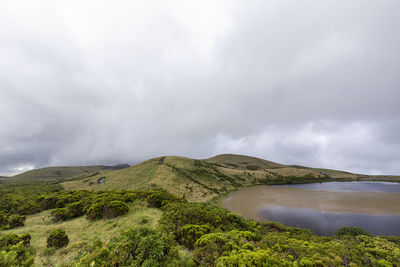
(294,82)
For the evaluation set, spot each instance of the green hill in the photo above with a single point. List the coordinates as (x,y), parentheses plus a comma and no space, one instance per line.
(241,161)
(198,180)
(62,172)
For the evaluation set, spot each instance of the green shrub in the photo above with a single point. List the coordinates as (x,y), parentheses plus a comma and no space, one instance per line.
(135,247)
(189,234)
(115,208)
(17,220)
(179,214)
(95,211)
(15,250)
(352,231)
(209,247)
(75,209)
(251,258)
(17,255)
(6,241)
(161,198)
(60,214)
(57,239)
(29,208)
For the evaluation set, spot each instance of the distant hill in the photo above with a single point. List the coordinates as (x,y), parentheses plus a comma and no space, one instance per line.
(62,172)
(202,180)
(243,162)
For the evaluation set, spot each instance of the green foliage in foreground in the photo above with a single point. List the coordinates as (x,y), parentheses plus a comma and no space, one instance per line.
(199,234)
(15,250)
(135,247)
(216,237)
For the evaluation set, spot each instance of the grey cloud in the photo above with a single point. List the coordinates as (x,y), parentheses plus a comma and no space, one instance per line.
(297,82)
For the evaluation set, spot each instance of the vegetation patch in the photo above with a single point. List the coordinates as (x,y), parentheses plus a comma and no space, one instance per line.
(57,239)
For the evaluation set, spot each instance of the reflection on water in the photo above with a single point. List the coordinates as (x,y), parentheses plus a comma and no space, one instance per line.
(327,223)
(323,207)
(387,187)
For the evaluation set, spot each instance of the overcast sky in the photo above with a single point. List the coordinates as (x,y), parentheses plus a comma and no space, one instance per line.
(315,83)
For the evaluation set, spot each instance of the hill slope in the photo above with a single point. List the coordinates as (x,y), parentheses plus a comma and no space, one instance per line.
(242,161)
(62,172)
(200,180)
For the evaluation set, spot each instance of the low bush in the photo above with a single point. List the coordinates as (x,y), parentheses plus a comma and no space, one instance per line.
(17,220)
(135,247)
(6,241)
(189,234)
(114,208)
(15,250)
(57,239)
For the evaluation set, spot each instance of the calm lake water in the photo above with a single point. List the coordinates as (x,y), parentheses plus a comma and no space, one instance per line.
(323,207)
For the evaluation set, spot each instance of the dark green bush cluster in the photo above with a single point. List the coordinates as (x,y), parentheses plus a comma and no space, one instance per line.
(106,210)
(279,179)
(6,241)
(190,221)
(19,199)
(189,234)
(107,204)
(57,239)
(161,198)
(352,231)
(178,215)
(15,250)
(135,247)
(253,167)
(8,221)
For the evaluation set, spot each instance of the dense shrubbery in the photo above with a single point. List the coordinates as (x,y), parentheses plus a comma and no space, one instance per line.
(15,250)
(189,234)
(178,215)
(135,247)
(8,221)
(109,204)
(19,199)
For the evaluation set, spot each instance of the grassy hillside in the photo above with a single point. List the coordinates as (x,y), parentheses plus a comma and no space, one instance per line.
(62,172)
(81,231)
(196,180)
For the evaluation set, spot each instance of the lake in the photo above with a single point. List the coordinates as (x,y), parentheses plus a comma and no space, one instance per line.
(323,207)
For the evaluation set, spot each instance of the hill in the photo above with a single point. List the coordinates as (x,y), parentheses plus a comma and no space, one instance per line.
(201,180)
(62,172)
(242,161)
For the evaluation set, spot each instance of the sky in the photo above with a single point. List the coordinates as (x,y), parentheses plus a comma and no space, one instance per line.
(313,83)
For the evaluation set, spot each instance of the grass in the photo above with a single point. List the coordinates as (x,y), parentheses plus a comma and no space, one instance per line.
(81,231)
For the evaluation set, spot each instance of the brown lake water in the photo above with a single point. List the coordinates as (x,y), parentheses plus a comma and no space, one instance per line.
(323,207)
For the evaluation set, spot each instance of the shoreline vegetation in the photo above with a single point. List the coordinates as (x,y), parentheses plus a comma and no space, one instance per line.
(168,215)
